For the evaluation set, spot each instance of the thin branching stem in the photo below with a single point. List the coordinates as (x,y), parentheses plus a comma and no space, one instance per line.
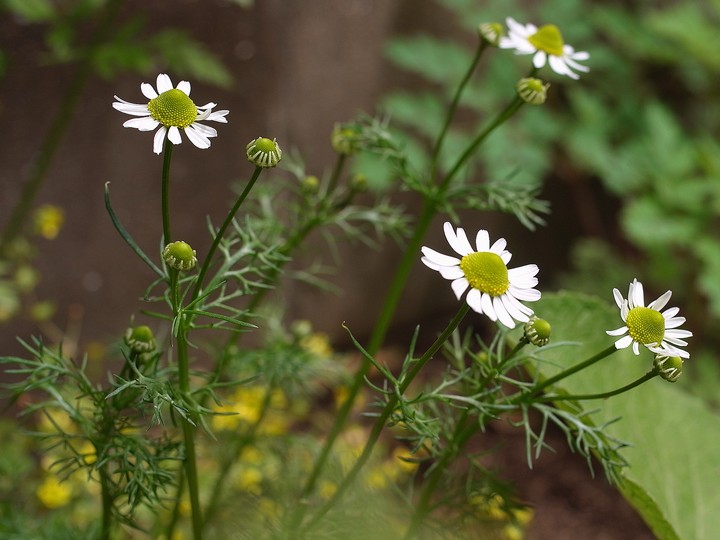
(602,395)
(221,232)
(381,420)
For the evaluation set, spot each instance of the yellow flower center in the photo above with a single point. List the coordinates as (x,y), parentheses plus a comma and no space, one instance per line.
(645,325)
(549,39)
(173,108)
(486,272)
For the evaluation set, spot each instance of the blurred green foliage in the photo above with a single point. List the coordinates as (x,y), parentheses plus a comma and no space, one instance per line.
(127,47)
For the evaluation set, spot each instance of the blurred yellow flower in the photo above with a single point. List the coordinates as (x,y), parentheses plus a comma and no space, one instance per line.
(48,220)
(53,493)
(317,343)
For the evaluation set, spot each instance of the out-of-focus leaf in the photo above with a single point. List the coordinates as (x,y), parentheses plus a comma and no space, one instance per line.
(437,61)
(189,58)
(31,10)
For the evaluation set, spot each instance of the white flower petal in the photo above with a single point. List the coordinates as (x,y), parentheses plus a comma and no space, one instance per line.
(451,272)
(458,241)
(439,258)
(184,87)
(617,332)
(159,139)
(132,109)
(619,300)
(674,333)
(163,83)
(499,246)
(522,308)
(142,124)
(503,316)
(148,91)
(529,295)
(512,309)
(427,262)
(197,138)
(636,347)
(482,240)
(218,116)
(638,295)
(473,300)
(661,302)
(174,135)
(459,286)
(539,59)
(674,322)
(487,306)
(671,312)
(623,343)
(505,257)
(207,131)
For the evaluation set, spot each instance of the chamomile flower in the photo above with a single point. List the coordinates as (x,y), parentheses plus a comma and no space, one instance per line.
(546,45)
(647,325)
(495,290)
(173,111)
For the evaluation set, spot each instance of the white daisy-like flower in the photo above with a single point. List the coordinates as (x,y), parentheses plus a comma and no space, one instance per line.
(647,325)
(172,110)
(547,46)
(495,290)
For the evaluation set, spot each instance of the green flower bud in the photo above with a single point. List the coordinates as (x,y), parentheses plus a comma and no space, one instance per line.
(358,182)
(491,33)
(537,331)
(670,367)
(310,184)
(180,256)
(344,139)
(263,152)
(140,339)
(532,91)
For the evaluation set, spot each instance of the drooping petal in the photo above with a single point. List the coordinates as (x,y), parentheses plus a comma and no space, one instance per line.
(159,139)
(207,131)
(474,300)
(197,138)
(487,306)
(512,309)
(502,314)
(459,286)
(623,343)
(529,295)
(174,135)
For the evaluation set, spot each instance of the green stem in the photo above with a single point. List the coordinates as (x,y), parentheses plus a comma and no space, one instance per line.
(506,113)
(221,232)
(189,436)
(570,371)
(453,106)
(381,327)
(167,155)
(107,502)
(381,419)
(649,375)
(337,171)
(52,139)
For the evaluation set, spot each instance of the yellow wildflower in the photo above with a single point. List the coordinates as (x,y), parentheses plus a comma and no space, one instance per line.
(53,493)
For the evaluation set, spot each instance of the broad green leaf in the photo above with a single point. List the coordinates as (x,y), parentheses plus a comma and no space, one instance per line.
(436,60)
(673,467)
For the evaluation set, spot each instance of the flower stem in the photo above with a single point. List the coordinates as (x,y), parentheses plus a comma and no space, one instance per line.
(570,371)
(189,436)
(107,501)
(167,155)
(52,139)
(221,232)
(506,113)
(379,425)
(453,106)
(649,375)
